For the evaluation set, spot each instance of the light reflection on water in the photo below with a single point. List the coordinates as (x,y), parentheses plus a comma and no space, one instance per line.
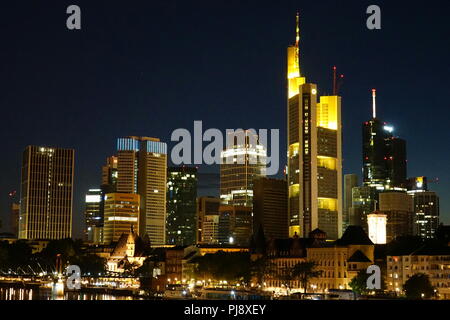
(10,293)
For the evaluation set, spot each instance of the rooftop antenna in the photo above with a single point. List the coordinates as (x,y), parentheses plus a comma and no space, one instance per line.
(336,82)
(374,107)
(297,41)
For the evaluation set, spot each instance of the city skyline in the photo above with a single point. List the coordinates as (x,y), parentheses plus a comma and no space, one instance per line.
(356,105)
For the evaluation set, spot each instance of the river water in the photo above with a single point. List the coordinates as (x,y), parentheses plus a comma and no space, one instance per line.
(11,293)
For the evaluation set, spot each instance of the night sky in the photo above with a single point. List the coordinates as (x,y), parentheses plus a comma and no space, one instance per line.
(149,67)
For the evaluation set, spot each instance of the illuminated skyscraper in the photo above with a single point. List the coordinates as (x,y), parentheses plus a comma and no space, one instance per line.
(314,154)
(142,169)
(384,155)
(181,205)
(92,214)
(121,215)
(384,167)
(46,193)
(242,162)
(426,208)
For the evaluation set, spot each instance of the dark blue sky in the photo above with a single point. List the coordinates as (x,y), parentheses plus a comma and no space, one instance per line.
(149,67)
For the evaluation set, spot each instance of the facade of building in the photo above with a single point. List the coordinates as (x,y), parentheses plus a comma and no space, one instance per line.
(398,207)
(110,172)
(210,230)
(235,225)
(174,264)
(426,207)
(142,169)
(377,223)
(426,210)
(181,224)
(270,207)
(341,260)
(206,206)
(364,202)
(283,255)
(46,193)
(128,253)
(121,215)
(314,154)
(337,261)
(432,261)
(350,182)
(92,214)
(242,161)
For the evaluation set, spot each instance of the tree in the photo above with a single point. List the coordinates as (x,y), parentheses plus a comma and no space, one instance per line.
(359,282)
(230,266)
(304,271)
(418,287)
(89,264)
(262,267)
(19,254)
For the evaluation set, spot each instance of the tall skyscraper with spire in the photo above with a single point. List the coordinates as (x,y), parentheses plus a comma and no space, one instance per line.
(384,155)
(314,153)
(384,167)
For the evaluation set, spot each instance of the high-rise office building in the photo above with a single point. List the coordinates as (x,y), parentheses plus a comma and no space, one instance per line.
(181,206)
(46,193)
(110,173)
(396,162)
(364,202)
(242,162)
(384,155)
(142,169)
(398,207)
(270,207)
(426,208)
(92,214)
(121,215)
(314,154)
(206,207)
(350,181)
(235,225)
(384,167)
(210,231)
(108,185)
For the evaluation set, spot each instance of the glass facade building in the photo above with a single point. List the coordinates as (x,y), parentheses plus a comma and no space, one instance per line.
(181,206)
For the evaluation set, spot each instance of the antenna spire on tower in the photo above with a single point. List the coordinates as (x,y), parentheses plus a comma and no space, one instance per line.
(297,42)
(374,107)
